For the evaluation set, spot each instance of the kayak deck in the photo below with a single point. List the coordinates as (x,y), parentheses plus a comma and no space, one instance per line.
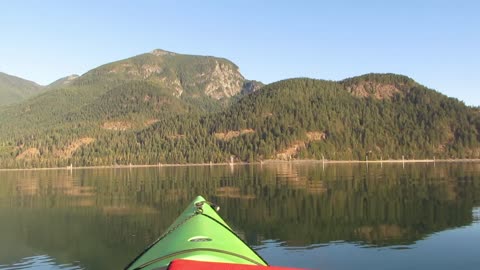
(200,234)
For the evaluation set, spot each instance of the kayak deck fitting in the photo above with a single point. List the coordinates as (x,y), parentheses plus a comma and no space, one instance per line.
(198,239)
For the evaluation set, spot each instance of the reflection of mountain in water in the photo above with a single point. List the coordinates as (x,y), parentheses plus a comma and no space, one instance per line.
(382,207)
(40,262)
(114,214)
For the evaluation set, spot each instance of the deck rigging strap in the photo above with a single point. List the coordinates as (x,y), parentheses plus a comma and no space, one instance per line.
(198,211)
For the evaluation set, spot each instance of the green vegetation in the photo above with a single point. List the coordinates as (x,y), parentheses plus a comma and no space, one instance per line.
(419,123)
(163,107)
(14,89)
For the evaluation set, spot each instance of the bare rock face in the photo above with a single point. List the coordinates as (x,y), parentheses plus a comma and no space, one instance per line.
(159,52)
(175,85)
(251,86)
(225,81)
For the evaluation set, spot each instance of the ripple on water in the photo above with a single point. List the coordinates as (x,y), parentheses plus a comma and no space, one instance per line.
(476,215)
(40,262)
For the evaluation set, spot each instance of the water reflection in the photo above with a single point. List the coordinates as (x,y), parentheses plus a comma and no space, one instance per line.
(103,218)
(476,215)
(40,262)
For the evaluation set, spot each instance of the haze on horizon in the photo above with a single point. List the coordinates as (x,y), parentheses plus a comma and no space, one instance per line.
(434,42)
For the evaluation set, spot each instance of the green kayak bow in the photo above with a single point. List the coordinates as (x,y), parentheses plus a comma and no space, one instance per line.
(198,234)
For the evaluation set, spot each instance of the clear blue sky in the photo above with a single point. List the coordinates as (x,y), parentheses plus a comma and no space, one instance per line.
(436,43)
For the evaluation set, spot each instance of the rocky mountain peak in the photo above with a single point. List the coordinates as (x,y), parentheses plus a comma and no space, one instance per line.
(251,86)
(160,52)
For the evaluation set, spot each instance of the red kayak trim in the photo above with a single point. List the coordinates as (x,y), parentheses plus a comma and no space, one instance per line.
(199,265)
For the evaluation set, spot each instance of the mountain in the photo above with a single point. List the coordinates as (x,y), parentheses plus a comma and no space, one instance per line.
(394,117)
(163,107)
(63,81)
(14,89)
(382,116)
(159,83)
(185,76)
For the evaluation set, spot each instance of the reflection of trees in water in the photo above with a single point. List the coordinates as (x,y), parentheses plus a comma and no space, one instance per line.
(29,189)
(388,205)
(117,212)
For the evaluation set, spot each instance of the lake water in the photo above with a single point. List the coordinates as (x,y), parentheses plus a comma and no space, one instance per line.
(417,216)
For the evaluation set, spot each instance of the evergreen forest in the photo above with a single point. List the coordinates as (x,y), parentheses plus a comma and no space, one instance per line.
(164,108)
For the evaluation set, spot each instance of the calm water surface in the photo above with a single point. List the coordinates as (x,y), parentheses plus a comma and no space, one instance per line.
(335,217)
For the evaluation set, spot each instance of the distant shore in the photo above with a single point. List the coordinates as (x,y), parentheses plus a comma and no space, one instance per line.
(264,162)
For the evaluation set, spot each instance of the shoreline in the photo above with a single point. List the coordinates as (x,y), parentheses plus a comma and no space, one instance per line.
(264,162)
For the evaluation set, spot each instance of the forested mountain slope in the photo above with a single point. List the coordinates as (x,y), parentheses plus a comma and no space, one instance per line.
(14,89)
(124,95)
(382,116)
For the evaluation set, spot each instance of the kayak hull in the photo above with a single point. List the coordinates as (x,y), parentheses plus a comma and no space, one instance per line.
(200,234)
